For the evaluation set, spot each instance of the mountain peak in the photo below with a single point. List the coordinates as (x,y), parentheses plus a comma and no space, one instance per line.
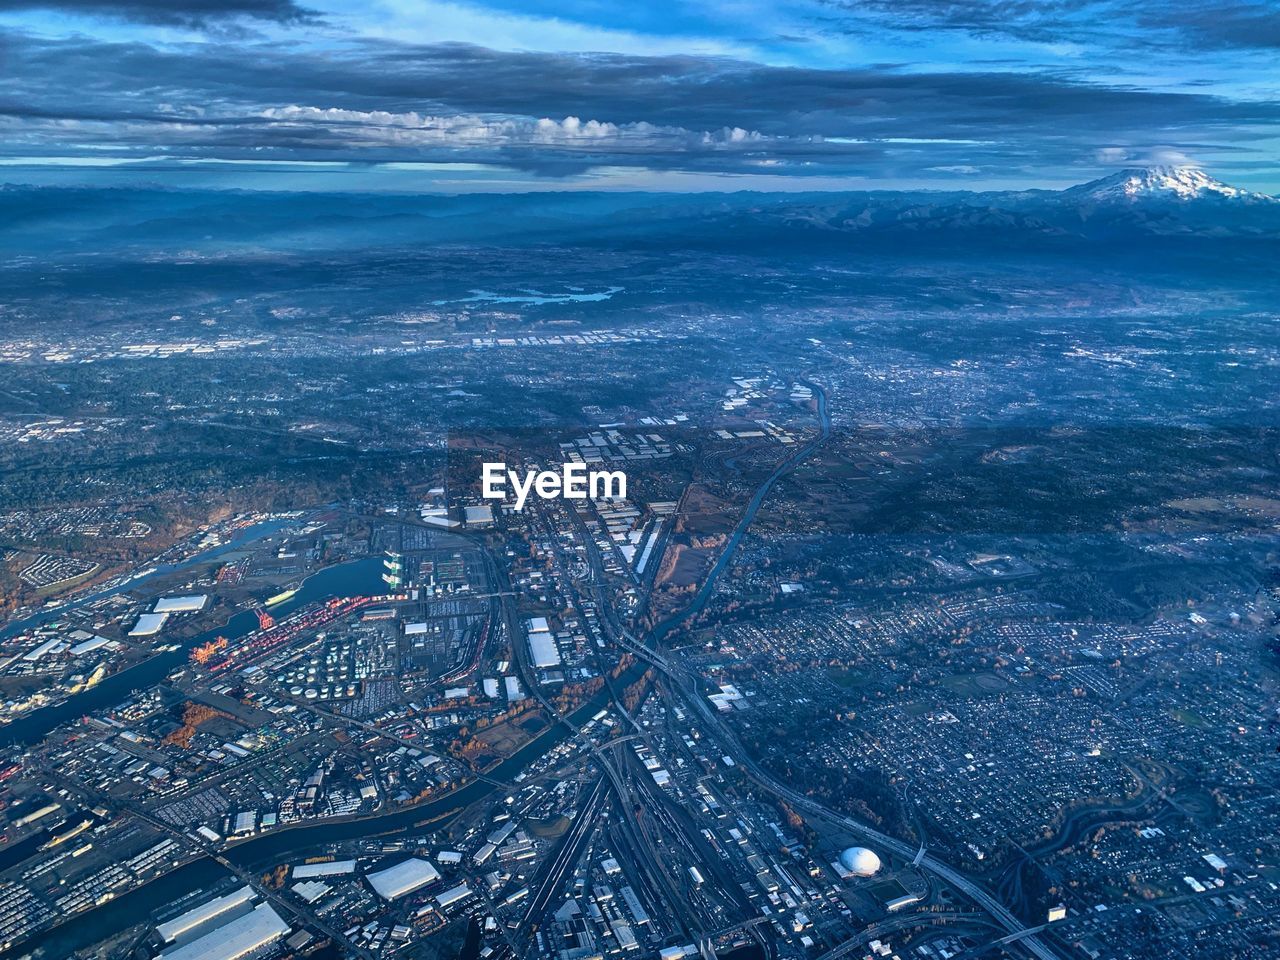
(1160,183)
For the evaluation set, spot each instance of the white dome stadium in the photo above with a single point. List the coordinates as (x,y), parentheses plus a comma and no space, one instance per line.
(860,862)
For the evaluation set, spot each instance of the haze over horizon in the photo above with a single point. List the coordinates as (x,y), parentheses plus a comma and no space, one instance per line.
(507,96)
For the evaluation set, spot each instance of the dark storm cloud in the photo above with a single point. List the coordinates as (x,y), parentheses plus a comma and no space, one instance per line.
(1096,24)
(1227,25)
(172,12)
(457,102)
(1038,20)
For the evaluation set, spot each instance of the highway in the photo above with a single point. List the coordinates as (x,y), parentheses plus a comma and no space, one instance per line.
(519,651)
(685,681)
(186,841)
(682,680)
(796,458)
(897,924)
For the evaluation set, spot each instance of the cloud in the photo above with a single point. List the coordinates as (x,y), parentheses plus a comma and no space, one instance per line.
(1113,155)
(550,27)
(568,138)
(381,126)
(373,101)
(1086,24)
(183,13)
(1224,24)
(1168,156)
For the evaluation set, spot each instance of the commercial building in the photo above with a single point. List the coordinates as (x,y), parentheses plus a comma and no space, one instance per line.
(479,516)
(192,604)
(452,896)
(542,645)
(311,890)
(542,650)
(171,930)
(89,645)
(48,646)
(148,624)
(240,938)
(330,868)
(404,878)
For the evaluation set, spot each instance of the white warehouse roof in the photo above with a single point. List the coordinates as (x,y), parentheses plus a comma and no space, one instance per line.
(542,648)
(330,868)
(450,897)
(478,516)
(241,937)
(46,647)
(403,878)
(148,624)
(172,929)
(181,604)
(88,646)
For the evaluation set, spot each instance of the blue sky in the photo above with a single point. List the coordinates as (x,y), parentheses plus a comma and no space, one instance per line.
(588,94)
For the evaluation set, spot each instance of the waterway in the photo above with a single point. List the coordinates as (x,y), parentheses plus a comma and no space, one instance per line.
(239,540)
(360,577)
(356,578)
(15,853)
(281,846)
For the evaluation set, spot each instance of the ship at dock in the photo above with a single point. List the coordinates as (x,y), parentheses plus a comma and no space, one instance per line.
(280,597)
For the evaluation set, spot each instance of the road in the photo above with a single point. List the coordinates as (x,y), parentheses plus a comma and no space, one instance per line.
(800,802)
(186,841)
(528,675)
(881,931)
(684,680)
(796,458)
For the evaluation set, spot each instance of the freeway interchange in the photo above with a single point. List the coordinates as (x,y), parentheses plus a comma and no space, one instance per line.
(679,686)
(636,820)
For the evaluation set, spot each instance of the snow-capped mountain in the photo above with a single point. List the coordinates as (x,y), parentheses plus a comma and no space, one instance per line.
(1141,209)
(1176,203)
(1160,183)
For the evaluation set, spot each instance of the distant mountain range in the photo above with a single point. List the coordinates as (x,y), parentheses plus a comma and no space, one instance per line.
(1181,184)
(1173,204)
(1155,201)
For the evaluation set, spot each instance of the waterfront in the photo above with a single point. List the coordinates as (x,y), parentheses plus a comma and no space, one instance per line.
(354,578)
(48,614)
(140,904)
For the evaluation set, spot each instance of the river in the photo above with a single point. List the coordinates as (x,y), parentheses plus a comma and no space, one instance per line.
(279,846)
(356,578)
(351,579)
(240,538)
